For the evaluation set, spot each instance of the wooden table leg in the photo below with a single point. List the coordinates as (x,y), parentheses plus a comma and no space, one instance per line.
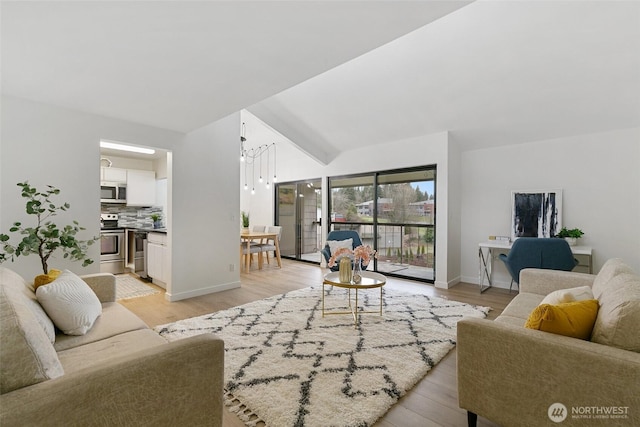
(278,252)
(247,261)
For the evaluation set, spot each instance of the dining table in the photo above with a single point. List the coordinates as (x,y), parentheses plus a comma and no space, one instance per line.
(247,237)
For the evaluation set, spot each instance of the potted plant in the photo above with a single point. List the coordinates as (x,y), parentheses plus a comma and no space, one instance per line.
(45,237)
(571,236)
(155,217)
(245,221)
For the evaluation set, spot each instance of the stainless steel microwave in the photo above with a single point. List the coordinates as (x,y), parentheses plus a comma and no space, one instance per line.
(113,192)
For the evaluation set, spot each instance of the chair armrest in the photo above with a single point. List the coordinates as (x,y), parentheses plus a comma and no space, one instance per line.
(511,375)
(103,284)
(543,282)
(180,383)
(326,252)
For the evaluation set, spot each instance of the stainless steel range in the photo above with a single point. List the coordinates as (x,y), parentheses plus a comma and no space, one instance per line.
(111,245)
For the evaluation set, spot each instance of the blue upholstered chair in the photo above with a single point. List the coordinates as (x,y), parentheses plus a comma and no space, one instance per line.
(340,235)
(536,252)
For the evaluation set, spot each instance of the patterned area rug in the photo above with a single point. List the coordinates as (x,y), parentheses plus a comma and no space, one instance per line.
(286,365)
(130,287)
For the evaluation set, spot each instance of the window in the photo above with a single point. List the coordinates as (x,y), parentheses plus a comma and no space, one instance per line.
(394,212)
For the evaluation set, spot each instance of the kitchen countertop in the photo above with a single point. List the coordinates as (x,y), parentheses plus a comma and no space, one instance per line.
(149,230)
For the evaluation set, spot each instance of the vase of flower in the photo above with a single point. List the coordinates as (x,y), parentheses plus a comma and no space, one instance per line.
(357,271)
(344,267)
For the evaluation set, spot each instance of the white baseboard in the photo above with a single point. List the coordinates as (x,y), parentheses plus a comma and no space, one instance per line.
(446,285)
(496,283)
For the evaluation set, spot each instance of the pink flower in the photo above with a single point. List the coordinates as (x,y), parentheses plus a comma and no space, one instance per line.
(340,253)
(364,253)
(361,252)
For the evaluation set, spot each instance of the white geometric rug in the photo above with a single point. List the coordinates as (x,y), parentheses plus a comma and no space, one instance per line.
(288,366)
(130,287)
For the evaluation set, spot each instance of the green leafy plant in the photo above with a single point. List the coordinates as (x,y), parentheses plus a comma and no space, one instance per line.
(245,219)
(155,217)
(575,233)
(46,237)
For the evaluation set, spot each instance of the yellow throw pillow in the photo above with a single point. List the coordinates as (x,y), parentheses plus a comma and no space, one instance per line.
(45,279)
(573,319)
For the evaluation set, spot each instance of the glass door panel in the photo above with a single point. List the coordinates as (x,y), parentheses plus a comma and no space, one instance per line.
(298,211)
(406,225)
(286,218)
(394,212)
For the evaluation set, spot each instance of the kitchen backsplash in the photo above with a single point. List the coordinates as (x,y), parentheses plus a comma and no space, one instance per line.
(133,217)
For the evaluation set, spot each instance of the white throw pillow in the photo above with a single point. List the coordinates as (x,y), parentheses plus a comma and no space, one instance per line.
(561,296)
(334,245)
(70,303)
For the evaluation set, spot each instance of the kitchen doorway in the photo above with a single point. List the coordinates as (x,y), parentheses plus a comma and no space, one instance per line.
(299,212)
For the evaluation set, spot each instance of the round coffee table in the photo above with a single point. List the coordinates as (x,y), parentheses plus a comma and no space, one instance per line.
(370,280)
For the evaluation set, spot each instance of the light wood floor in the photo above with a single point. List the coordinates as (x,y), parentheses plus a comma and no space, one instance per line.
(432,402)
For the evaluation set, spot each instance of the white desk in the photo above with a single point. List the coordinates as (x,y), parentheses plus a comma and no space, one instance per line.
(486,255)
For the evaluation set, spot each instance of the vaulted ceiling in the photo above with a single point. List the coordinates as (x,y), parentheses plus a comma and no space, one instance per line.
(335,75)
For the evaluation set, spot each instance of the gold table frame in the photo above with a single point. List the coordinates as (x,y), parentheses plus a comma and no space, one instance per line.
(370,280)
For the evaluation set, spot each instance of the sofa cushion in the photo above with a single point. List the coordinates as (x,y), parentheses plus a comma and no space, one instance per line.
(115,320)
(609,270)
(619,316)
(12,281)
(510,320)
(70,303)
(95,353)
(572,319)
(522,305)
(560,296)
(27,355)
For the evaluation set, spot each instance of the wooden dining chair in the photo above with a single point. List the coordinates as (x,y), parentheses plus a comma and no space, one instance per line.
(270,245)
(259,229)
(253,249)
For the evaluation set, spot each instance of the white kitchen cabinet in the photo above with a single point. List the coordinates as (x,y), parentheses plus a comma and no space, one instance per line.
(113,174)
(141,188)
(158,258)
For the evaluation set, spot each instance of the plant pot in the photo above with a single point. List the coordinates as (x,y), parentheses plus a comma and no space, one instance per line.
(571,240)
(245,229)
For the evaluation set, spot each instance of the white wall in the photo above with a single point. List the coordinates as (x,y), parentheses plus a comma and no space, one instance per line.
(600,178)
(260,205)
(454,218)
(205,222)
(50,145)
(160,166)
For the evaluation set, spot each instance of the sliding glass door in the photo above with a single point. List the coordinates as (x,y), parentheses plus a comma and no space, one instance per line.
(298,211)
(394,212)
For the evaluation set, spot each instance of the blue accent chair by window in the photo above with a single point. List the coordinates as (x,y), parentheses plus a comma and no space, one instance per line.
(538,252)
(341,235)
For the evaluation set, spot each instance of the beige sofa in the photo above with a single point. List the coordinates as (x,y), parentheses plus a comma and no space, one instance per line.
(512,375)
(119,373)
